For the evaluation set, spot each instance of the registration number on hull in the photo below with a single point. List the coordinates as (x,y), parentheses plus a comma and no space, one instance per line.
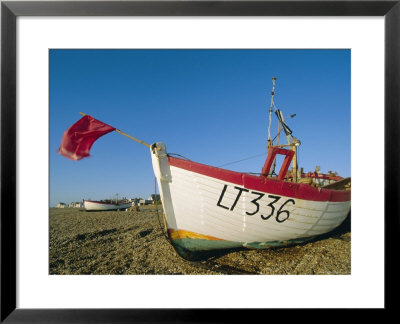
(280,214)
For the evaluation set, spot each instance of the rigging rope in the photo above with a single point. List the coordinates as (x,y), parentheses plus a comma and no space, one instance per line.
(248,158)
(175,154)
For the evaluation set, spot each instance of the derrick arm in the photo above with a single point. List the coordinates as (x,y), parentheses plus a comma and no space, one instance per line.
(272,152)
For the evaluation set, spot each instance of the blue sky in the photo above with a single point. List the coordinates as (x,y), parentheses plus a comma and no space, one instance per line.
(210,106)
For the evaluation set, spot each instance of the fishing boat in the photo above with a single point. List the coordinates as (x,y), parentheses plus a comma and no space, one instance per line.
(92,205)
(210,208)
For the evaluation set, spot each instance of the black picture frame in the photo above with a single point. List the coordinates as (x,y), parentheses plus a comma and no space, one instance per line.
(10,10)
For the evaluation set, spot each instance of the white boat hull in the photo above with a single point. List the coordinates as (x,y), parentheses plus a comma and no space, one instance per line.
(98,206)
(211,208)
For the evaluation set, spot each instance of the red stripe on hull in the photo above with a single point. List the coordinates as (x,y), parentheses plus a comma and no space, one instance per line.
(282,188)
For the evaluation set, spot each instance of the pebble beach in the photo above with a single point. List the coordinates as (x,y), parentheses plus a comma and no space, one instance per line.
(134,243)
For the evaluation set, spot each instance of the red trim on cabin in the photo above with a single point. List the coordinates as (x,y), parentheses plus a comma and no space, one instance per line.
(272,152)
(263,184)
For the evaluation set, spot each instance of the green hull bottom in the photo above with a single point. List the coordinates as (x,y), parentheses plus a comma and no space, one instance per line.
(190,248)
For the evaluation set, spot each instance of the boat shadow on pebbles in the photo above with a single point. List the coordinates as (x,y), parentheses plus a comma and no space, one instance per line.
(342,232)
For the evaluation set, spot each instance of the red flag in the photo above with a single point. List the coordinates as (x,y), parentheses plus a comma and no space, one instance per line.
(79,138)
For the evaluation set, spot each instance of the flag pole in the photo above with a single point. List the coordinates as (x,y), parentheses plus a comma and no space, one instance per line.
(127,135)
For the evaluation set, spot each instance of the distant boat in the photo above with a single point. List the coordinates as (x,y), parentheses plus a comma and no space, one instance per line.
(209,208)
(91,205)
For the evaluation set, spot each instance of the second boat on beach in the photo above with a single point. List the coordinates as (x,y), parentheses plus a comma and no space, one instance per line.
(91,205)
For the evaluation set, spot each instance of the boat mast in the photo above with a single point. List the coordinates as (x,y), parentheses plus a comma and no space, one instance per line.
(270,112)
(292,141)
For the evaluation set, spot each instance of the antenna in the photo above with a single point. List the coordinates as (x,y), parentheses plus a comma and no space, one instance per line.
(270,111)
